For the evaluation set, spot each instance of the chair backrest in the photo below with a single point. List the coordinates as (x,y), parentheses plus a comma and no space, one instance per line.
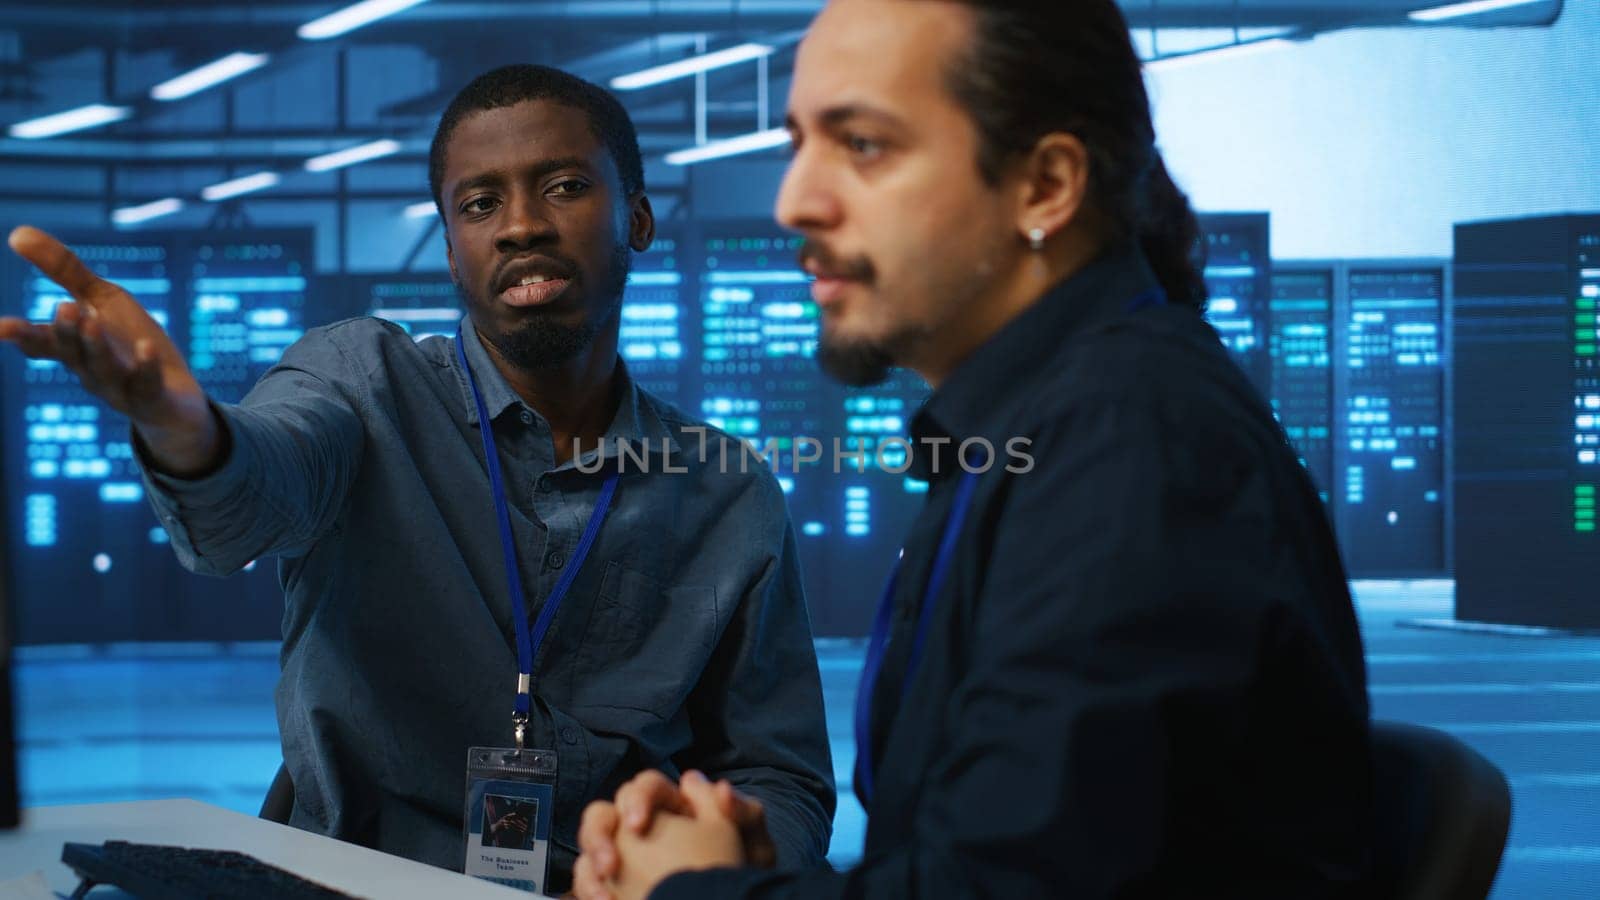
(278,805)
(1443,813)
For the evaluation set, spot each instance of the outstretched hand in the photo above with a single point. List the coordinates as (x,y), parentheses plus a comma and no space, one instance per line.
(120,354)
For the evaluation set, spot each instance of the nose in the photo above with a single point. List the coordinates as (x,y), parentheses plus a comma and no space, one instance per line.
(806,199)
(525,223)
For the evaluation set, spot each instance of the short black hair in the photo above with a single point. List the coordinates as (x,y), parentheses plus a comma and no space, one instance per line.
(510,85)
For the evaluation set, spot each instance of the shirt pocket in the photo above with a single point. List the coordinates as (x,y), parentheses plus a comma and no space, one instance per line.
(647,643)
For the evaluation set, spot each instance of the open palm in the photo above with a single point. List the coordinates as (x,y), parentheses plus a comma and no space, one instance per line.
(119,353)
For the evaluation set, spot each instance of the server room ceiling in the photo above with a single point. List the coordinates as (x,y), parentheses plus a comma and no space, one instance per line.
(598,39)
(163,22)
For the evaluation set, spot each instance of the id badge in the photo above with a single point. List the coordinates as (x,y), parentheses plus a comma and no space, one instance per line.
(510,801)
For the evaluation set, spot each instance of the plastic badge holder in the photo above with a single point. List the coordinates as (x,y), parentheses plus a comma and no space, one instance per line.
(510,800)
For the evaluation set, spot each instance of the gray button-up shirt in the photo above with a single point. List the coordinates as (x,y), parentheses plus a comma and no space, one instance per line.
(684,641)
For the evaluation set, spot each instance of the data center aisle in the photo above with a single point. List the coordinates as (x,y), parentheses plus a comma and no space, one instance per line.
(145,721)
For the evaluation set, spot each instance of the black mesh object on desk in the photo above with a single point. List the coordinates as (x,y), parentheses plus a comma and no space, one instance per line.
(154,872)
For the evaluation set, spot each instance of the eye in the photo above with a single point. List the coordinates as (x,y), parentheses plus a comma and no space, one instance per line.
(864,148)
(569,187)
(479,205)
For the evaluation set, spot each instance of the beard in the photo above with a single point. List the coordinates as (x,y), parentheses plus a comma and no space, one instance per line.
(542,342)
(864,362)
(856,363)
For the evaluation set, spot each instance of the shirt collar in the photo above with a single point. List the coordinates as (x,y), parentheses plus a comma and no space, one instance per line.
(497,393)
(636,422)
(981,396)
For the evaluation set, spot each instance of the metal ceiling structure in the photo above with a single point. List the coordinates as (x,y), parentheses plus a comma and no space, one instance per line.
(105,49)
(144,23)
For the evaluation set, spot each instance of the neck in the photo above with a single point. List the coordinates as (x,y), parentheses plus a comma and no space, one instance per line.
(577,399)
(1030,276)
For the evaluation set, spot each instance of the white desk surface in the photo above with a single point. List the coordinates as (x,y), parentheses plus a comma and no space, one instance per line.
(190,823)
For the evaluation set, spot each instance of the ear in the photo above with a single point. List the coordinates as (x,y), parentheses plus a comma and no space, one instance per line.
(1055,183)
(641,223)
(450,257)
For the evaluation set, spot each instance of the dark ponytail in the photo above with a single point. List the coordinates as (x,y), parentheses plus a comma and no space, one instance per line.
(1038,68)
(1169,234)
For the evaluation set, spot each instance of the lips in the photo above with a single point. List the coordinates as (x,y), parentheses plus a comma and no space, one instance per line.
(830,284)
(534,293)
(828,290)
(533,282)
(834,274)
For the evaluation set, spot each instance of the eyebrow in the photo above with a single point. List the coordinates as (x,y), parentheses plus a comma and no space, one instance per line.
(497,177)
(834,116)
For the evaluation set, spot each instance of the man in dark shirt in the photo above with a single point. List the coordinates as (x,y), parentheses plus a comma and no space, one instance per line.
(683,641)
(1127,666)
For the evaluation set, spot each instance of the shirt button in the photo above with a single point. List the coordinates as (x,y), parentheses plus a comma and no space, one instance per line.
(555,560)
(569,734)
(546,484)
(527,417)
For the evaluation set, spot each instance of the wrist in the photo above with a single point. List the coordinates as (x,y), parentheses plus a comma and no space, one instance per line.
(189,450)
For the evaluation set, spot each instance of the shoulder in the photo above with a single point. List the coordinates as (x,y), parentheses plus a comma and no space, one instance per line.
(1159,387)
(367,345)
(1165,365)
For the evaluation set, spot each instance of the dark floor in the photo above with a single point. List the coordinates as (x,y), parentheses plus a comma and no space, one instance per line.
(144,721)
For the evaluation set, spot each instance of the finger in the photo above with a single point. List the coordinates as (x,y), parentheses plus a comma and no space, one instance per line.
(742,808)
(727,799)
(595,833)
(586,883)
(34,340)
(105,361)
(69,343)
(144,384)
(648,793)
(750,817)
(700,795)
(54,259)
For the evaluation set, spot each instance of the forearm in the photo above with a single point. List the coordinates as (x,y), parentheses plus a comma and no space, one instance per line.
(276,490)
(759,719)
(191,446)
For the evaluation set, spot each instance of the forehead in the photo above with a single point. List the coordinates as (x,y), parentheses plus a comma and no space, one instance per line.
(886,54)
(521,136)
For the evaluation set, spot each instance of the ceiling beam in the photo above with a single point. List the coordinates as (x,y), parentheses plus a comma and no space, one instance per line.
(644,17)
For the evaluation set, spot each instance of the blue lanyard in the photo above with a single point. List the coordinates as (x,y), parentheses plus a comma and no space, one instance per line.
(866,766)
(528,645)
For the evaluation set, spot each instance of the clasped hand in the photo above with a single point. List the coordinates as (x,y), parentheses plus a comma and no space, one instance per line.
(656,828)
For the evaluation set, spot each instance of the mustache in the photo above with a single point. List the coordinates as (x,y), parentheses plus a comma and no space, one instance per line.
(823,259)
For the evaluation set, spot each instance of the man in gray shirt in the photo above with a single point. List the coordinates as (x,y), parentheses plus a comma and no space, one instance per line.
(683,642)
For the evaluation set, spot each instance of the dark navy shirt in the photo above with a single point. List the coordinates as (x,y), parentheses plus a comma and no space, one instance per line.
(1143,675)
(684,641)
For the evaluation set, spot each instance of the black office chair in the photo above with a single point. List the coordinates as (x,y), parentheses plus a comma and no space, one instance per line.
(279,802)
(1443,813)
